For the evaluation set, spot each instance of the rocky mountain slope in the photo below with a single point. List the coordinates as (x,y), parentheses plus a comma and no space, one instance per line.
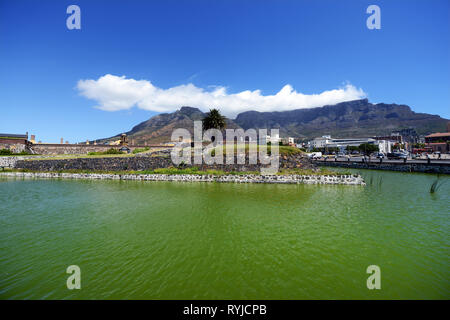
(358,118)
(158,129)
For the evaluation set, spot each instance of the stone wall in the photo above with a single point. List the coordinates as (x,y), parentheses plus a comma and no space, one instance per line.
(95,164)
(147,162)
(284,179)
(413,167)
(55,149)
(14,147)
(10,161)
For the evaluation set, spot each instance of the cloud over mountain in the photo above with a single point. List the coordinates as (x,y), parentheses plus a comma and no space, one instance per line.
(113,93)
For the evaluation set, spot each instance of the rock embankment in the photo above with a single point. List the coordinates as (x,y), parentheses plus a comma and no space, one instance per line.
(247,178)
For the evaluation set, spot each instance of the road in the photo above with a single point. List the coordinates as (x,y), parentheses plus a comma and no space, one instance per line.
(375,160)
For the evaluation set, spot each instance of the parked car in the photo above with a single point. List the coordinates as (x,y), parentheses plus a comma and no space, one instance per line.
(315,155)
(397,155)
(379,155)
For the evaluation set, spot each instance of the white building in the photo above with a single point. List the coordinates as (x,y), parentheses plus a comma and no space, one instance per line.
(273,140)
(384,146)
(342,144)
(319,142)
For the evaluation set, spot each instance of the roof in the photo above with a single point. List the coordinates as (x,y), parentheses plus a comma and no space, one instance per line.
(438,134)
(13,135)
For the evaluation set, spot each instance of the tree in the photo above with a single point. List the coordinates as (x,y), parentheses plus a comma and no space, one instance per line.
(214,120)
(418,145)
(368,148)
(398,146)
(332,149)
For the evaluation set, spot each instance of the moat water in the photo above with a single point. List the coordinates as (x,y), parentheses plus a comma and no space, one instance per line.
(169,240)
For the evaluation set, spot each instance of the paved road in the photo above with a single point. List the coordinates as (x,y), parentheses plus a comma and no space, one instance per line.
(375,160)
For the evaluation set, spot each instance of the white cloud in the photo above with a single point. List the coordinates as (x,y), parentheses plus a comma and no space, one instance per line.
(114,93)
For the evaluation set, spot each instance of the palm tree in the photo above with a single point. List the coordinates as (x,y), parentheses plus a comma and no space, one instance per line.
(214,120)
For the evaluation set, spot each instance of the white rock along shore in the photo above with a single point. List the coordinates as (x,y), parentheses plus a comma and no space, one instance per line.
(247,178)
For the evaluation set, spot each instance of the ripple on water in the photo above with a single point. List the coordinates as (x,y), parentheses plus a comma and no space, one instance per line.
(163,240)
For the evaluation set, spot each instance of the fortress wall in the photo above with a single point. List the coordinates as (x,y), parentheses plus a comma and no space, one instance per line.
(148,162)
(48,149)
(13,146)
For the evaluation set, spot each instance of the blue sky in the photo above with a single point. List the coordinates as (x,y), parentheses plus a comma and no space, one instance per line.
(313,46)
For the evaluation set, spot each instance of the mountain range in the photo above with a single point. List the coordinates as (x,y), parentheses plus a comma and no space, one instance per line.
(358,118)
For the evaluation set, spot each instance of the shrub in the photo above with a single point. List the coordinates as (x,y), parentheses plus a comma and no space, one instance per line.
(109,151)
(139,150)
(192,170)
(23,153)
(113,151)
(5,152)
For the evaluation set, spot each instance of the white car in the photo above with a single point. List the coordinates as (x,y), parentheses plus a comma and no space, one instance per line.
(315,155)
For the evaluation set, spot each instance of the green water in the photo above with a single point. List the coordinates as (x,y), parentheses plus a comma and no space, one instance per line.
(168,240)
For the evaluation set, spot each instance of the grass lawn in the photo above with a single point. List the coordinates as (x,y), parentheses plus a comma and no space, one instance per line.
(283,150)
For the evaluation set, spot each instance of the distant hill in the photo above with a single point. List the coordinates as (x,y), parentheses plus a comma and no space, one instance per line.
(158,129)
(358,118)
